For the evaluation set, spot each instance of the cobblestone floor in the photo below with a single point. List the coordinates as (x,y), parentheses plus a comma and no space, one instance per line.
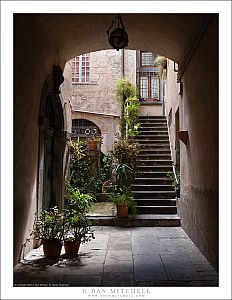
(142,256)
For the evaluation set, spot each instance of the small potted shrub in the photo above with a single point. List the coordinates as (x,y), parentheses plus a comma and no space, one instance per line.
(124,202)
(93,142)
(49,228)
(77,229)
(122,196)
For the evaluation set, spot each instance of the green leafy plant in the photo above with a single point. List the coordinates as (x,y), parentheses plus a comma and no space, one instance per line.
(124,197)
(161,62)
(175,181)
(48,225)
(132,108)
(126,95)
(77,200)
(124,176)
(126,151)
(77,205)
(82,176)
(106,167)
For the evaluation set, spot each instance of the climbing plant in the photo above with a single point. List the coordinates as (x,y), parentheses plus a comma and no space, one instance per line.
(161,62)
(131,116)
(127,96)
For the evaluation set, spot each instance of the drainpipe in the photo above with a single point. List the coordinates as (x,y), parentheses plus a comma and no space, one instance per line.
(162,96)
(122,63)
(123,74)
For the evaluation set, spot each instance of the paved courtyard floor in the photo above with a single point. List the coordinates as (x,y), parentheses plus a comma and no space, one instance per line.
(136,256)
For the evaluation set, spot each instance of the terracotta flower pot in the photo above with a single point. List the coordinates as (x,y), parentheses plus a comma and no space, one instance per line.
(122,211)
(52,248)
(71,247)
(92,145)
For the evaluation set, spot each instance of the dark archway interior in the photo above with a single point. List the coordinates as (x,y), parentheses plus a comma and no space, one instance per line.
(53,39)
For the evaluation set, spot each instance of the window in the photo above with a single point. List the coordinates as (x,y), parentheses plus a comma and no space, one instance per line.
(83,128)
(81,69)
(147,58)
(148,81)
(149,86)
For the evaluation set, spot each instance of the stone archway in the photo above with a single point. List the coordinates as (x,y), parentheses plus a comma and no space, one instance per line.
(191,40)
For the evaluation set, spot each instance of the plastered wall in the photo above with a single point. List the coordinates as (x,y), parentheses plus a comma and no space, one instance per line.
(198,204)
(27,95)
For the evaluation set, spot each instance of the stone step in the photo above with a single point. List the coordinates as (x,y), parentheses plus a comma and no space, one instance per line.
(150,174)
(142,137)
(153,128)
(139,220)
(156,202)
(149,156)
(152,117)
(148,151)
(157,162)
(154,147)
(154,194)
(151,187)
(148,121)
(157,209)
(153,124)
(155,168)
(152,180)
(152,132)
(157,142)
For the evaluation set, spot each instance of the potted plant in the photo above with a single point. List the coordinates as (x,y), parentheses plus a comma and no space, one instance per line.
(49,228)
(93,141)
(124,202)
(77,229)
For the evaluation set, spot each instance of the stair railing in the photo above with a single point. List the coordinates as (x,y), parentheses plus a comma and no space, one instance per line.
(170,144)
(174,172)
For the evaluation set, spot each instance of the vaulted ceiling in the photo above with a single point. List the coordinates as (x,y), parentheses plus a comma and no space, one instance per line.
(74,34)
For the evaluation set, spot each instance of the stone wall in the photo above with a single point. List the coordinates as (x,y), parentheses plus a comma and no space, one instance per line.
(198,205)
(97,101)
(99,95)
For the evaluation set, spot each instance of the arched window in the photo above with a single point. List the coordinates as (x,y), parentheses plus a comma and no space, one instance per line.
(82,128)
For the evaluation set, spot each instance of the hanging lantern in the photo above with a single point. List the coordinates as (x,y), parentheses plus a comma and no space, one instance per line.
(118,37)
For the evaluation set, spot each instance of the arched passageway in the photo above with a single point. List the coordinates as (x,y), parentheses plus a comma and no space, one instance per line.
(189,39)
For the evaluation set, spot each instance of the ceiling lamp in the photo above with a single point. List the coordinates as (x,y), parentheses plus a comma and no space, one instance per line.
(118,37)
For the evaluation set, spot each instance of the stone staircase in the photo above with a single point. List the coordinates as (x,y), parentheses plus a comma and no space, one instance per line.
(152,188)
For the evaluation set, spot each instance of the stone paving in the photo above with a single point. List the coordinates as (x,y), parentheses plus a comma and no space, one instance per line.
(136,256)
